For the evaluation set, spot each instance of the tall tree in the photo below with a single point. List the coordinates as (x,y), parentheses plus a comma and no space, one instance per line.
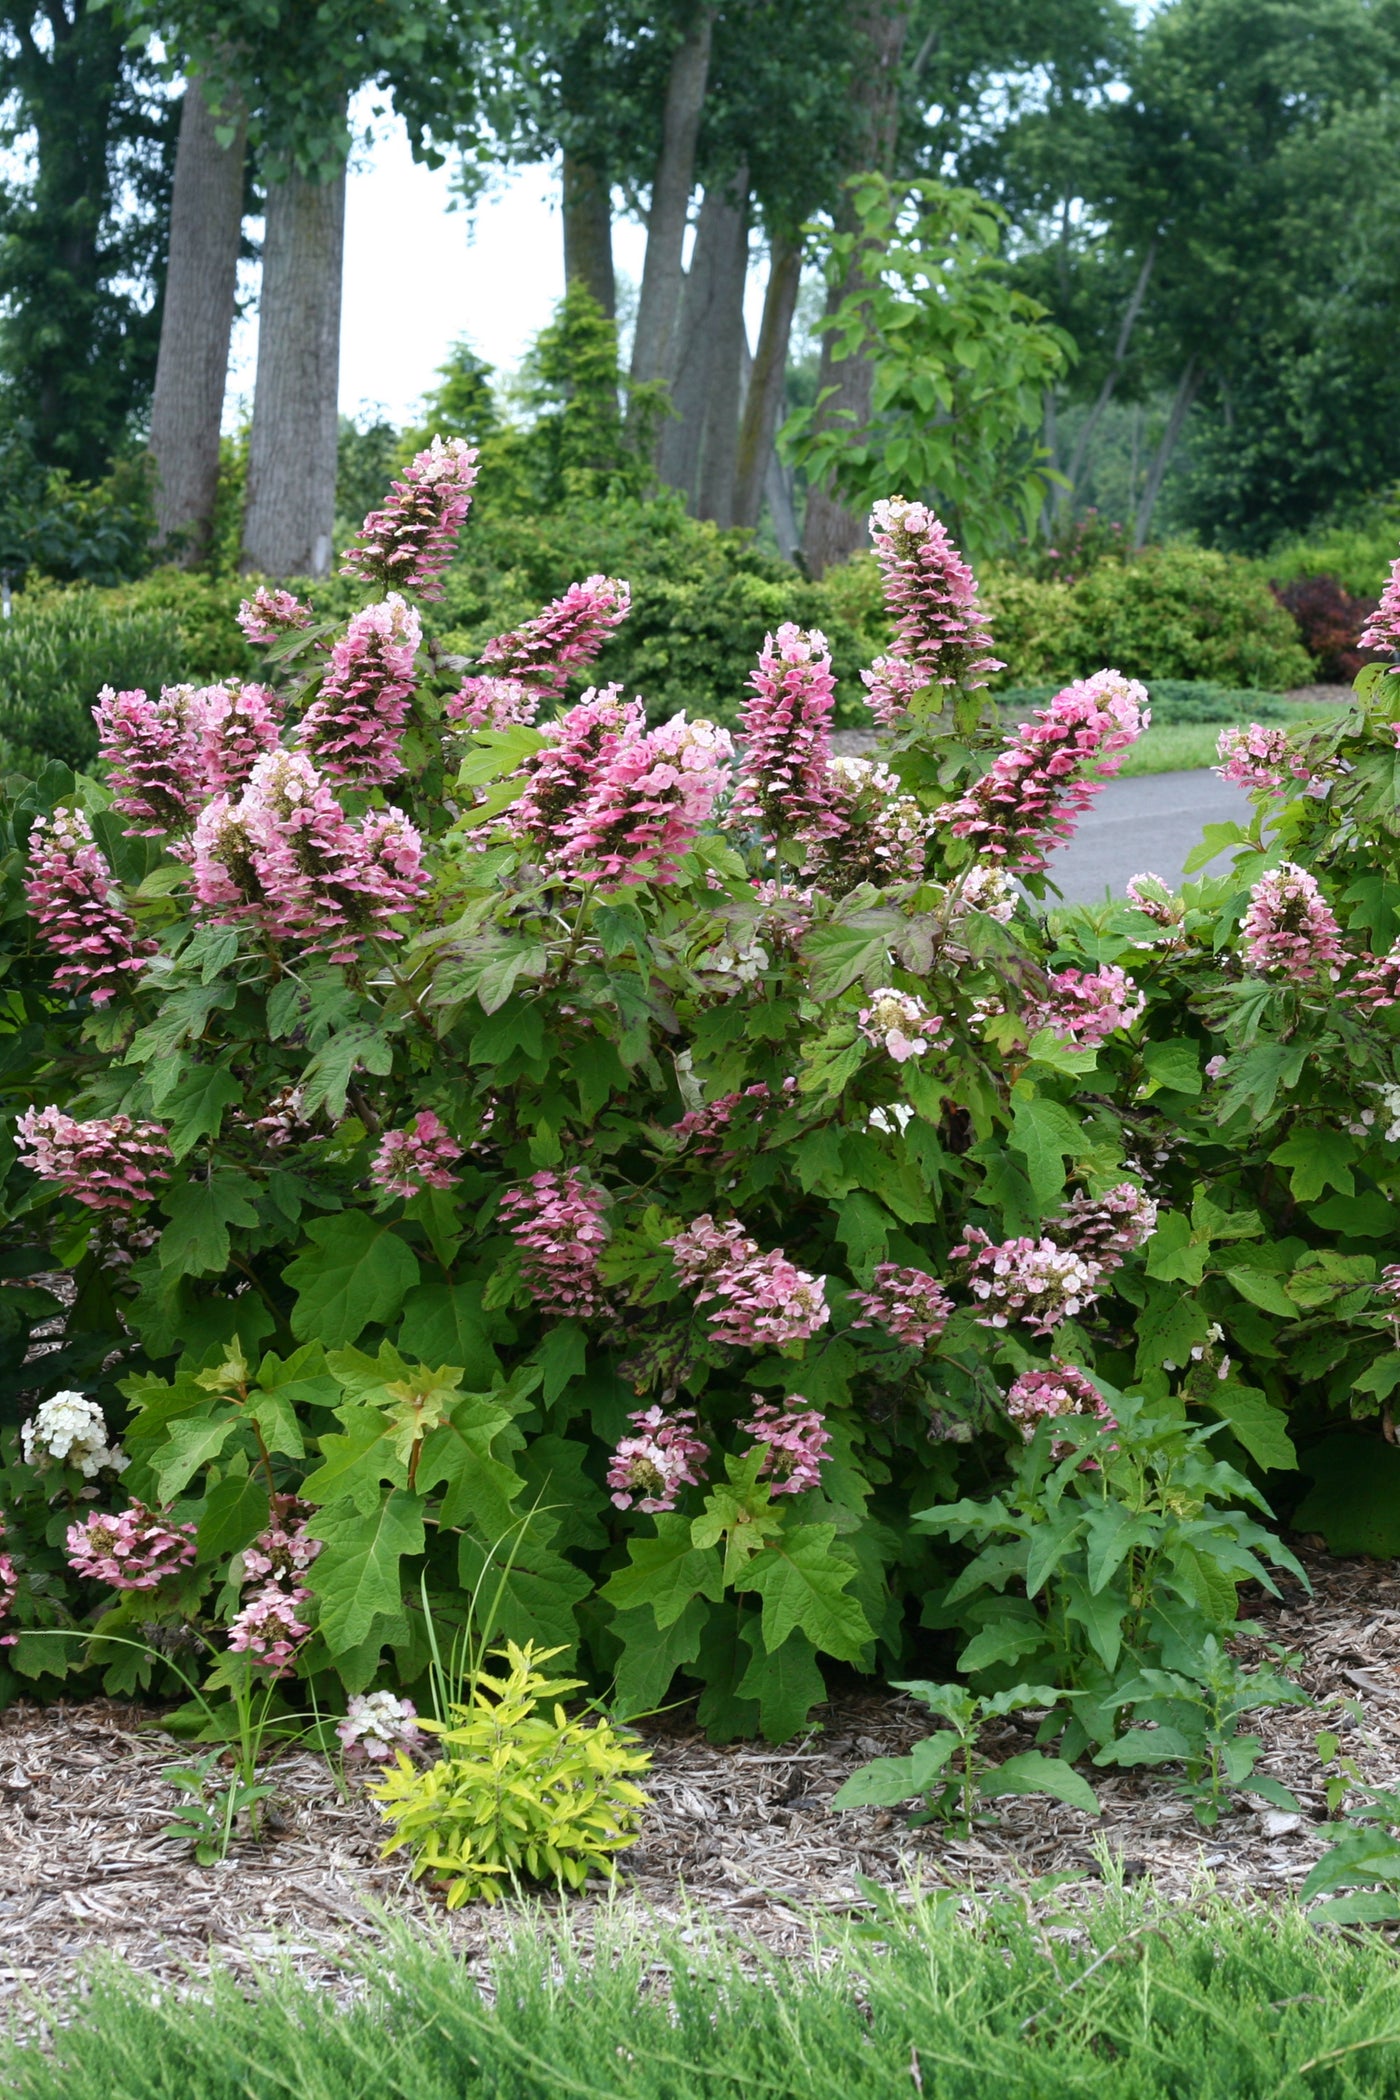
(668,210)
(846,383)
(294,69)
(206,220)
(83,241)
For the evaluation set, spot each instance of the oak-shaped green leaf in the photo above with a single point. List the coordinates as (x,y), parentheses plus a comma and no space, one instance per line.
(803,1582)
(190,1444)
(357,1271)
(194,1107)
(786,1684)
(665,1572)
(196,1241)
(651,1655)
(356,1577)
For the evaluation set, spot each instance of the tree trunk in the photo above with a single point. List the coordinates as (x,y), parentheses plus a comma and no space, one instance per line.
(1188,386)
(290,519)
(206,219)
(653,340)
(763,405)
(678,447)
(724,377)
(588,256)
(833,532)
(1111,378)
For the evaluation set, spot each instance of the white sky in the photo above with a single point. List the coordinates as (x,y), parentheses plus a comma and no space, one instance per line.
(418,274)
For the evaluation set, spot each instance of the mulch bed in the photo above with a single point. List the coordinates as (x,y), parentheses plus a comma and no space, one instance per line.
(744,1832)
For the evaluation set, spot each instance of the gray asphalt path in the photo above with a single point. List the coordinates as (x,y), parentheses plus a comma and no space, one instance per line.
(1141,826)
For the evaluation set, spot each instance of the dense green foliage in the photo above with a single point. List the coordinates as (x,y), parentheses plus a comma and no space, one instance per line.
(1176,612)
(1122,1998)
(56,652)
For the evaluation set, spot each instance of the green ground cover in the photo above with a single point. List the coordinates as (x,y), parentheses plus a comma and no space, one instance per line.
(1129,2001)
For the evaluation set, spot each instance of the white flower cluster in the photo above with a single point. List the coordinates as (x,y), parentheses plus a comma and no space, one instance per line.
(1389,1109)
(377,1724)
(71,1430)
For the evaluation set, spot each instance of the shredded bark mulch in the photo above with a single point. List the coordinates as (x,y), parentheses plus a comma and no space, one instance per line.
(745,1832)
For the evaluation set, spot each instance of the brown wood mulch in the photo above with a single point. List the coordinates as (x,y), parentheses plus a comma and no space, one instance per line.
(745,1832)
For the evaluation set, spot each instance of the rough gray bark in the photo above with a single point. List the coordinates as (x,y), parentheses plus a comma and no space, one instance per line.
(206,219)
(659,299)
(833,532)
(763,403)
(1111,378)
(290,519)
(724,367)
(678,446)
(1188,386)
(588,255)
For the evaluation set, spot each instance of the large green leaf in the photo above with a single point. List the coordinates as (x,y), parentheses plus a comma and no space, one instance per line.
(194,1107)
(1319,1159)
(528,1593)
(235,1511)
(1260,1426)
(786,1684)
(652,1655)
(443,1323)
(356,1577)
(1043,1132)
(190,1444)
(196,1241)
(1032,1772)
(355,1461)
(803,1583)
(666,1572)
(356,1272)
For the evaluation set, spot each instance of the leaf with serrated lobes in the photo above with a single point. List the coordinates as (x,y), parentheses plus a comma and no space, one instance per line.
(666,1572)
(651,1655)
(356,1272)
(803,1583)
(196,1241)
(786,1684)
(356,1577)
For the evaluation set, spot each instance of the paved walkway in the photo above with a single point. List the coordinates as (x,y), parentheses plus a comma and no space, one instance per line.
(1141,826)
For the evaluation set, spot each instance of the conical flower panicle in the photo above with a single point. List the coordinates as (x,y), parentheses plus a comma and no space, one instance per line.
(409,543)
(73,894)
(354,727)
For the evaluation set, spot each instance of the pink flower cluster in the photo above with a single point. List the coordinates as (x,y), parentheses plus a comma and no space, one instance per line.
(1155,899)
(1035,1282)
(797,1444)
(286,858)
(1049,1394)
(876,832)
(419,1157)
(704,1128)
(557,1221)
(1083,1008)
(1377,982)
(1105,1230)
(898,1023)
(606,799)
(941,632)
(267,1626)
(354,726)
(411,541)
(1382,630)
(108,1163)
(755,1300)
(650,1468)
(134,1550)
(74,896)
(269,613)
(1261,758)
(909,1304)
(1038,786)
(1290,929)
(9,1590)
(534,663)
(785,739)
(645,807)
(164,756)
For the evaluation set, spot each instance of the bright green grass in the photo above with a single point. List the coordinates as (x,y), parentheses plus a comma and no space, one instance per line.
(1142,2003)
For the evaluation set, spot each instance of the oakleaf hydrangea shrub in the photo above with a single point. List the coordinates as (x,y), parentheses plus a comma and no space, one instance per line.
(471,1151)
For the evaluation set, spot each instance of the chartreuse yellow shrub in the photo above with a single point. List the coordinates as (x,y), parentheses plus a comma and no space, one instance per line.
(518,1792)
